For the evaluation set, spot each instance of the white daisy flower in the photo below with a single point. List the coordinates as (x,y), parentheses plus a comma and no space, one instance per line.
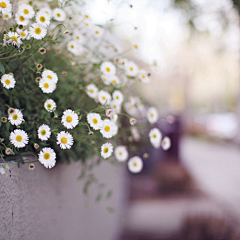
(104,97)
(143,76)
(26,11)
(74,48)
(50,105)
(7,16)
(19,138)
(21,20)
(105,79)
(44,132)
(114,117)
(131,109)
(5,6)
(97,31)
(135,47)
(109,128)
(114,80)
(156,66)
(94,120)
(135,164)
(122,62)
(152,115)
(118,96)
(16,117)
(43,18)
(24,34)
(131,69)
(78,37)
(121,153)
(59,14)
(106,150)
(47,10)
(65,140)
(166,143)
(14,39)
(50,75)
(116,106)
(135,133)
(37,31)
(155,137)
(69,119)
(47,85)
(108,68)
(8,81)
(92,90)
(47,157)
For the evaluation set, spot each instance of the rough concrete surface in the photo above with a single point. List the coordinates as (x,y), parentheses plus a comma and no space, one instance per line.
(50,205)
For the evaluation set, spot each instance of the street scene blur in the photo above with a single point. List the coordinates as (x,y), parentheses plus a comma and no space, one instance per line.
(191,49)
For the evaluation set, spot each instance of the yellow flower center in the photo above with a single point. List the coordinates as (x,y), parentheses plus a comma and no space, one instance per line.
(3,5)
(95,121)
(108,69)
(107,128)
(43,132)
(113,81)
(91,91)
(58,15)
(72,46)
(15,39)
(19,138)
(143,76)
(21,18)
(103,98)
(38,30)
(69,119)
(117,97)
(86,16)
(26,11)
(136,46)
(7,81)
(131,68)
(135,164)
(46,156)
(46,85)
(15,117)
(6,16)
(42,19)
(96,32)
(154,135)
(151,115)
(105,150)
(77,37)
(49,106)
(23,34)
(120,153)
(49,76)
(63,140)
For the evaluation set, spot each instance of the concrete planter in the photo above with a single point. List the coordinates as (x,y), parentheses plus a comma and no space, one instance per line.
(50,205)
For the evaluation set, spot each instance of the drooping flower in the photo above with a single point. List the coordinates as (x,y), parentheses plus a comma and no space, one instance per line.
(106,150)
(19,138)
(135,164)
(50,105)
(155,137)
(121,153)
(65,140)
(152,115)
(47,157)
(37,31)
(69,119)
(8,81)
(44,132)
(166,143)
(94,120)
(16,118)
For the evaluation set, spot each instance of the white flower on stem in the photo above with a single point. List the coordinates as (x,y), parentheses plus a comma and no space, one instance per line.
(65,140)
(24,34)
(118,96)
(131,69)
(155,137)
(116,106)
(132,121)
(50,105)
(21,20)
(109,112)
(114,80)
(69,119)
(14,39)
(94,120)
(135,47)
(16,117)
(59,14)
(97,31)
(114,117)
(26,11)
(107,68)
(104,97)
(37,31)
(50,75)
(75,48)
(47,85)
(122,62)
(5,6)
(108,129)
(47,157)
(105,79)
(106,150)
(166,143)
(143,76)
(121,153)
(19,138)
(47,10)
(7,16)
(152,115)
(78,37)
(92,90)
(43,18)
(44,132)
(8,81)
(135,164)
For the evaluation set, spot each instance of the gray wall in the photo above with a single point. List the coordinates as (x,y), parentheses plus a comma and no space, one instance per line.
(50,205)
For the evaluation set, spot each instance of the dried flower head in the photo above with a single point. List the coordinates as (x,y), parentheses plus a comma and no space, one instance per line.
(66,31)
(31,167)
(11,74)
(8,151)
(145,155)
(132,121)
(11,111)
(64,73)
(109,112)
(42,50)
(39,66)
(3,119)
(38,79)
(20,27)
(36,146)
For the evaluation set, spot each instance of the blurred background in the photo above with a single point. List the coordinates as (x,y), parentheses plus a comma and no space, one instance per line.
(191,48)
